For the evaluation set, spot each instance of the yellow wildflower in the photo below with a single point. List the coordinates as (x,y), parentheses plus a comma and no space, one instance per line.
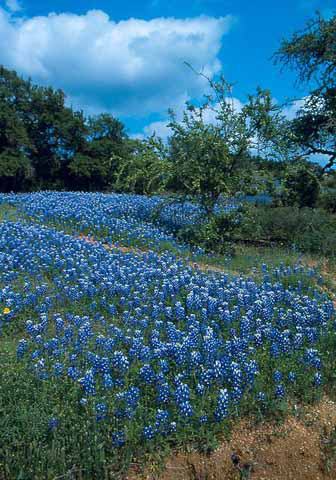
(6,311)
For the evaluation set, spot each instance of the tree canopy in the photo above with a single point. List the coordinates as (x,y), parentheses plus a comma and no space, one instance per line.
(312,54)
(46,144)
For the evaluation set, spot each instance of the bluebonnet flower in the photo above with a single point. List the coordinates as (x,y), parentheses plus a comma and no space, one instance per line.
(222,405)
(53,423)
(132,397)
(120,362)
(147,374)
(101,411)
(200,389)
(155,328)
(22,348)
(261,397)
(186,409)
(162,421)
(172,427)
(118,439)
(149,432)
(74,373)
(317,381)
(163,392)
(107,380)
(312,358)
(279,390)
(58,369)
(88,383)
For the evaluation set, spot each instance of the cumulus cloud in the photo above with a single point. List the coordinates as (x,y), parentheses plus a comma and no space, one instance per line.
(161,129)
(13,5)
(131,67)
(291,110)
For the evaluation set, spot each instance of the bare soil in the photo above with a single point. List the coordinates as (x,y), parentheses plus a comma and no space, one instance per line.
(295,450)
(141,251)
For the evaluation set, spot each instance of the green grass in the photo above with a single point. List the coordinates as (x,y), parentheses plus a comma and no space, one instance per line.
(8,213)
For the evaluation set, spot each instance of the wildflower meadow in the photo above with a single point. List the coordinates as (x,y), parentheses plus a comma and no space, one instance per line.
(116,347)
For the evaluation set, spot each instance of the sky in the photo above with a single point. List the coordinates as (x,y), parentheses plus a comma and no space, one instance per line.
(127,58)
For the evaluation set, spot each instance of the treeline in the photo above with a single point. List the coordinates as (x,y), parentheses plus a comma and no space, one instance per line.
(46,144)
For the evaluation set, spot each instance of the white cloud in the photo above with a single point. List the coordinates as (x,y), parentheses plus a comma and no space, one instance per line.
(291,110)
(131,67)
(161,129)
(13,5)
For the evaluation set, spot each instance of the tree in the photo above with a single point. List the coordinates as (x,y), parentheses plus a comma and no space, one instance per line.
(312,54)
(38,131)
(210,150)
(146,169)
(56,133)
(94,166)
(46,144)
(301,185)
(15,167)
(15,170)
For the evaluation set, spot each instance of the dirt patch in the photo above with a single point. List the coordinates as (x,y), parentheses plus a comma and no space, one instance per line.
(108,246)
(293,450)
(138,251)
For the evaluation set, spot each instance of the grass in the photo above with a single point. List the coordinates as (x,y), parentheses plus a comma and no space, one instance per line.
(8,213)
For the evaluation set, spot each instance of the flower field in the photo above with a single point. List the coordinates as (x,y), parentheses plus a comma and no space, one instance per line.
(110,355)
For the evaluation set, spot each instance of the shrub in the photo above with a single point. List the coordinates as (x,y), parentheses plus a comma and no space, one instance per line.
(301,186)
(327,200)
(215,234)
(310,230)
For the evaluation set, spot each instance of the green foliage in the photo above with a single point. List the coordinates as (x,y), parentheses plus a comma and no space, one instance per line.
(215,234)
(312,53)
(314,127)
(94,166)
(210,159)
(45,144)
(145,170)
(329,179)
(90,173)
(300,186)
(14,140)
(327,200)
(201,162)
(306,229)
(15,170)
(47,122)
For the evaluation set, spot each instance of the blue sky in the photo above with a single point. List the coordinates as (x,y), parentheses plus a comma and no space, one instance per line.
(127,57)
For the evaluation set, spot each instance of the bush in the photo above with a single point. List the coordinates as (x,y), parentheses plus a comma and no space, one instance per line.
(215,234)
(301,186)
(310,230)
(327,200)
